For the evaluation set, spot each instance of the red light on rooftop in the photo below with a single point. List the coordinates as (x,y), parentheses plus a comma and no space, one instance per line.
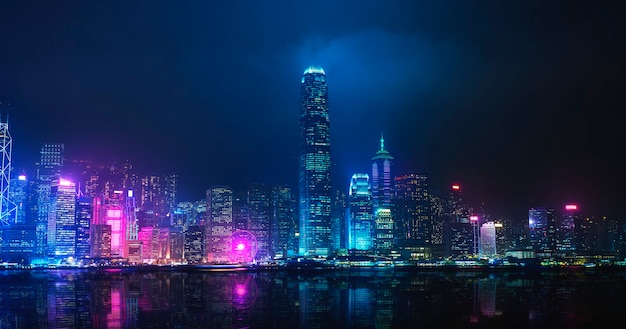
(571,207)
(456,187)
(473,218)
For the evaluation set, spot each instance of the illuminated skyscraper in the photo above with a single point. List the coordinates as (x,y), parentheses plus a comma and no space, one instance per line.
(360,215)
(284,222)
(488,240)
(8,210)
(259,218)
(413,215)
(62,221)
(568,218)
(314,165)
(382,189)
(84,206)
(18,195)
(48,171)
(219,223)
(542,227)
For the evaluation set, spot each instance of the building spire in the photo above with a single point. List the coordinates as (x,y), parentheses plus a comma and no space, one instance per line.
(382,142)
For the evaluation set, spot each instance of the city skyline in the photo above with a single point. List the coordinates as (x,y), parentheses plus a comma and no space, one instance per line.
(518,103)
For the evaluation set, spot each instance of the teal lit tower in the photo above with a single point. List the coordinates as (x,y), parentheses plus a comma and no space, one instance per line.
(361,217)
(314,165)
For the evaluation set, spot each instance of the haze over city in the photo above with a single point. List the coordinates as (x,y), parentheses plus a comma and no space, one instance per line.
(517,102)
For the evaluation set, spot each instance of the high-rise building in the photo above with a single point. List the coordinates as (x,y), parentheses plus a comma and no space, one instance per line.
(569,215)
(413,215)
(62,221)
(48,170)
(284,222)
(360,215)
(84,206)
(194,244)
(488,240)
(382,179)
(258,204)
(18,195)
(314,165)
(8,209)
(384,241)
(219,224)
(542,228)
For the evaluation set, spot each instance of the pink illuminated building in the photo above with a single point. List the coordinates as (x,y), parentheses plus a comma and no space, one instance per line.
(117,211)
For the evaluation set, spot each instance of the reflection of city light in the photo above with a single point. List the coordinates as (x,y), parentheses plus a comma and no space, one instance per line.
(240,290)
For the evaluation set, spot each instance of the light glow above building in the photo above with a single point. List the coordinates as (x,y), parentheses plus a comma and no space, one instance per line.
(571,207)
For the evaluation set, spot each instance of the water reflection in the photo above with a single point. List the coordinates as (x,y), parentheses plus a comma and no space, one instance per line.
(351,299)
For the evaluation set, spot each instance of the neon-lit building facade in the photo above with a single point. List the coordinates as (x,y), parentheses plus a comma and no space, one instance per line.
(382,177)
(62,221)
(219,224)
(314,165)
(360,215)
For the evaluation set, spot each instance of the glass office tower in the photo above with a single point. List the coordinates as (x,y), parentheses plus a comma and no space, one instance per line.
(62,222)
(314,165)
(361,217)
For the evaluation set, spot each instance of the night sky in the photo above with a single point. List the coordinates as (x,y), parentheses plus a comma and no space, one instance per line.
(516,100)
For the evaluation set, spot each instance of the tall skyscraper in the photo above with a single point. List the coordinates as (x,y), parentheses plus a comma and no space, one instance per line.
(84,206)
(360,215)
(48,170)
(382,189)
(8,210)
(413,215)
(259,218)
(284,221)
(62,221)
(542,228)
(314,165)
(219,223)
(569,215)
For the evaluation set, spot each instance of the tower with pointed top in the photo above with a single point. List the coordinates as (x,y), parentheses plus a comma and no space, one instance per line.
(8,210)
(382,179)
(314,165)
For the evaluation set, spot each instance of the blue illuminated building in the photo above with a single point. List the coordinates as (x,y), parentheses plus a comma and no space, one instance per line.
(360,215)
(62,221)
(48,170)
(314,165)
(382,177)
(83,226)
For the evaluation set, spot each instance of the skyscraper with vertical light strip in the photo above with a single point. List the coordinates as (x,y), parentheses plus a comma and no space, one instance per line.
(314,165)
